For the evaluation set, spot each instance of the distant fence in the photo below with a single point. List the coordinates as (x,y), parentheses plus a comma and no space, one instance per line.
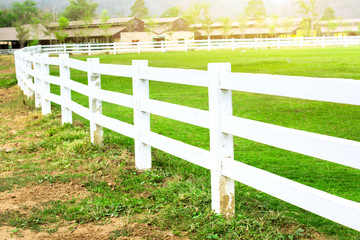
(6,51)
(32,70)
(188,45)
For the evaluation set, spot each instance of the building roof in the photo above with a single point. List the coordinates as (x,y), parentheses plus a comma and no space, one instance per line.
(342,21)
(94,32)
(340,29)
(267,21)
(8,34)
(162,20)
(249,30)
(97,22)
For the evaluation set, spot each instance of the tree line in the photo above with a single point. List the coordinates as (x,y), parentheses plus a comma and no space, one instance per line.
(84,11)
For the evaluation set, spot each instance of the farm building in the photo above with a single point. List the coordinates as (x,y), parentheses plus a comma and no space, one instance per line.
(134,30)
(161,29)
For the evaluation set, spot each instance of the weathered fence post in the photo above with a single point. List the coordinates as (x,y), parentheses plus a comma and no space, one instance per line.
(141,119)
(45,86)
(221,144)
(66,113)
(95,105)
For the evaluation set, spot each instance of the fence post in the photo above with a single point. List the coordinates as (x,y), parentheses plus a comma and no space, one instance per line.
(89,49)
(209,44)
(114,48)
(45,104)
(37,80)
(186,45)
(256,43)
(28,78)
(278,43)
(323,41)
(138,47)
(95,105)
(233,44)
(64,48)
(345,41)
(141,119)
(21,72)
(301,42)
(18,68)
(221,144)
(163,46)
(66,113)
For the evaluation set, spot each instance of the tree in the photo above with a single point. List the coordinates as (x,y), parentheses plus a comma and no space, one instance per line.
(310,9)
(243,23)
(46,21)
(206,19)
(226,26)
(79,9)
(36,31)
(330,27)
(139,10)
(171,12)
(86,30)
(305,27)
(191,15)
(105,26)
(274,24)
(24,12)
(329,14)
(61,35)
(259,26)
(286,24)
(23,34)
(7,18)
(255,9)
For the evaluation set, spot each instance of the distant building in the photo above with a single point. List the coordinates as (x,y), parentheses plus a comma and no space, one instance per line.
(132,30)
(338,28)
(266,28)
(161,29)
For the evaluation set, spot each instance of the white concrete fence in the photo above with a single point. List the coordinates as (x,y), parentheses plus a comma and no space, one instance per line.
(32,70)
(188,45)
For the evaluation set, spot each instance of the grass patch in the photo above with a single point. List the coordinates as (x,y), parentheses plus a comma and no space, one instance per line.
(175,196)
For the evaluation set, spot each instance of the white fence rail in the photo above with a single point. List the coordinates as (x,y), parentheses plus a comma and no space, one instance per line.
(32,71)
(6,51)
(188,45)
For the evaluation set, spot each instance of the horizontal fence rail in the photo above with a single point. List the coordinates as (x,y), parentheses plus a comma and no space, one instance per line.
(212,44)
(32,71)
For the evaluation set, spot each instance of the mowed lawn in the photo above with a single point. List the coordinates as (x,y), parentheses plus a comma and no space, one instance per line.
(331,119)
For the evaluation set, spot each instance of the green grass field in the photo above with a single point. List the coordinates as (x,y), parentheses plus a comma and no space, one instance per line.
(338,120)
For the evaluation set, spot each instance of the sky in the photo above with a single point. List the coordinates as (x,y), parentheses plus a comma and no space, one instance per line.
(232,8)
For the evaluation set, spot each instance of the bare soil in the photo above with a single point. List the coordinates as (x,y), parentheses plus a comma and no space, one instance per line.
(37,195)
(15,119)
